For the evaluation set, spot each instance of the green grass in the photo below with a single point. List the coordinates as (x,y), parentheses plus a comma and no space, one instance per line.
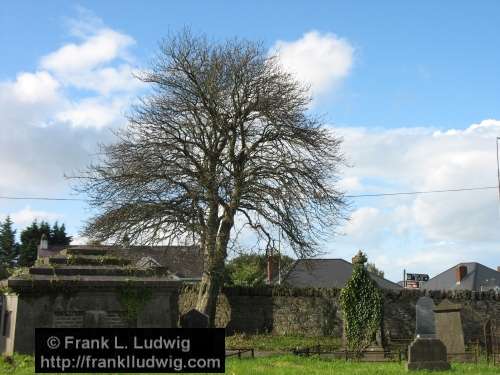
(274,343)
(288,365)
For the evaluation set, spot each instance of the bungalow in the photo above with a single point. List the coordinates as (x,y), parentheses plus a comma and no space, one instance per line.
(327,273)
(471,276)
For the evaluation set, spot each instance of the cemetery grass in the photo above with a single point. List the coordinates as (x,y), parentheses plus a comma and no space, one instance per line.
(275,343)
(286,365)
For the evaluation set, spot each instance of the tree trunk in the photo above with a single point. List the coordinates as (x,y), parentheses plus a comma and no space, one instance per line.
(213,276)
(210,285)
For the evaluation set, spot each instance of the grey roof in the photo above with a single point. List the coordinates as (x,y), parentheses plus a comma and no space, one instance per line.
(326,273)
(478,277)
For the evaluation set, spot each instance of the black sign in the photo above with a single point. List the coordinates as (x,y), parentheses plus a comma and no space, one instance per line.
(417,277)
(122,350)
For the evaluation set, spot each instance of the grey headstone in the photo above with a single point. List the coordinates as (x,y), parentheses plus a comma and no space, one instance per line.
(426,327)
(449,327)
(427,354)
(194,319)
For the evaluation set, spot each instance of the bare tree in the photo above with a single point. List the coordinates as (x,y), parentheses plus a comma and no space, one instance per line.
(224,134)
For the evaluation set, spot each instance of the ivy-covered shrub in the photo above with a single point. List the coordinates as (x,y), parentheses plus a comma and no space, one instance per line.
(362,306)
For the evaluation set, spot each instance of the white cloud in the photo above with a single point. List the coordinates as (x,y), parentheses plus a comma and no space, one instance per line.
(103,47)
(93,112)
(319,60)
(349,184)
(39,87)
(106,80)
(362,221)
(27,215)
(49,127)
(430,231)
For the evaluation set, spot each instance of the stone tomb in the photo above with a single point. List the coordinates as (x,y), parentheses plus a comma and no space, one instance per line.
(449,327)
(85,288)
(426,352)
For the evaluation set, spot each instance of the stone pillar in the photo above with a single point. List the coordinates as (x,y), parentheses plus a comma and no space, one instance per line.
(449,326)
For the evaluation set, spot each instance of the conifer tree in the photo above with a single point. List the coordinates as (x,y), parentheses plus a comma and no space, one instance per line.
(9,249)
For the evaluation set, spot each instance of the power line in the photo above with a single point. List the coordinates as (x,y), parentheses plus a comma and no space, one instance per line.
(347,196)
(421,192)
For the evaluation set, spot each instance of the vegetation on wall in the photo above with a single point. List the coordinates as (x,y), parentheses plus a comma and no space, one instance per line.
(362,306)
(134,299)
(251,269)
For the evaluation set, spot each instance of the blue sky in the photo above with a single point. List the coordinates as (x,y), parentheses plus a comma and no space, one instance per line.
(411,86)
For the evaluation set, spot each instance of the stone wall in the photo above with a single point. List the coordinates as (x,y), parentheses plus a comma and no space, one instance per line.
(317,311)
(84,308)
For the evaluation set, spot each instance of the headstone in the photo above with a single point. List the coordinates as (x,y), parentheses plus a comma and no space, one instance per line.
(194,319)
(449,327)
(426,352)
(425,327)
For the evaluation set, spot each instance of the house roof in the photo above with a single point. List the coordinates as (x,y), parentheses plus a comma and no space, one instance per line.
(327,273)
(478,277)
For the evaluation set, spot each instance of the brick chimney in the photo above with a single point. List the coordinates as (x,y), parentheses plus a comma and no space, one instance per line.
(498,268)
(460,273)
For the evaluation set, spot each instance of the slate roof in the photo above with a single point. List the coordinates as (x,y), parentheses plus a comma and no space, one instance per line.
(478,277)
(326,273)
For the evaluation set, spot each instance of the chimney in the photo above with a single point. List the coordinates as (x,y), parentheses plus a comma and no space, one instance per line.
(498,268)
(44,244)
(460,273)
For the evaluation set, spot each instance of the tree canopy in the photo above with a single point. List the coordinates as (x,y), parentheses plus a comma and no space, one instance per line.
(224,134)
(30,239)
(251,269)
(9,249)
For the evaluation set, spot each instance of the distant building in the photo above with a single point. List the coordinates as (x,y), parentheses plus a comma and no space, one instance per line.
(327,273)
(465,276)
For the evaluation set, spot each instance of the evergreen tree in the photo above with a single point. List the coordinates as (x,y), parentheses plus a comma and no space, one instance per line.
(9,249)
(30,239)
(58,235)
(28,254)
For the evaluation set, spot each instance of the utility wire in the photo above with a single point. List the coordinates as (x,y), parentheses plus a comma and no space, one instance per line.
(421,192)
(346,196)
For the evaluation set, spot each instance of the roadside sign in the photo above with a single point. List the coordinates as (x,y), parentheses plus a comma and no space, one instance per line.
(417,277)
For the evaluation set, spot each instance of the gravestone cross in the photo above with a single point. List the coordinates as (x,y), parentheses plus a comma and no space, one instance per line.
(194,319)
(425,327)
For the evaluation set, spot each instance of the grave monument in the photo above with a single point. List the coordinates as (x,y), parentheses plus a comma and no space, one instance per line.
(426,352)
(449,327)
